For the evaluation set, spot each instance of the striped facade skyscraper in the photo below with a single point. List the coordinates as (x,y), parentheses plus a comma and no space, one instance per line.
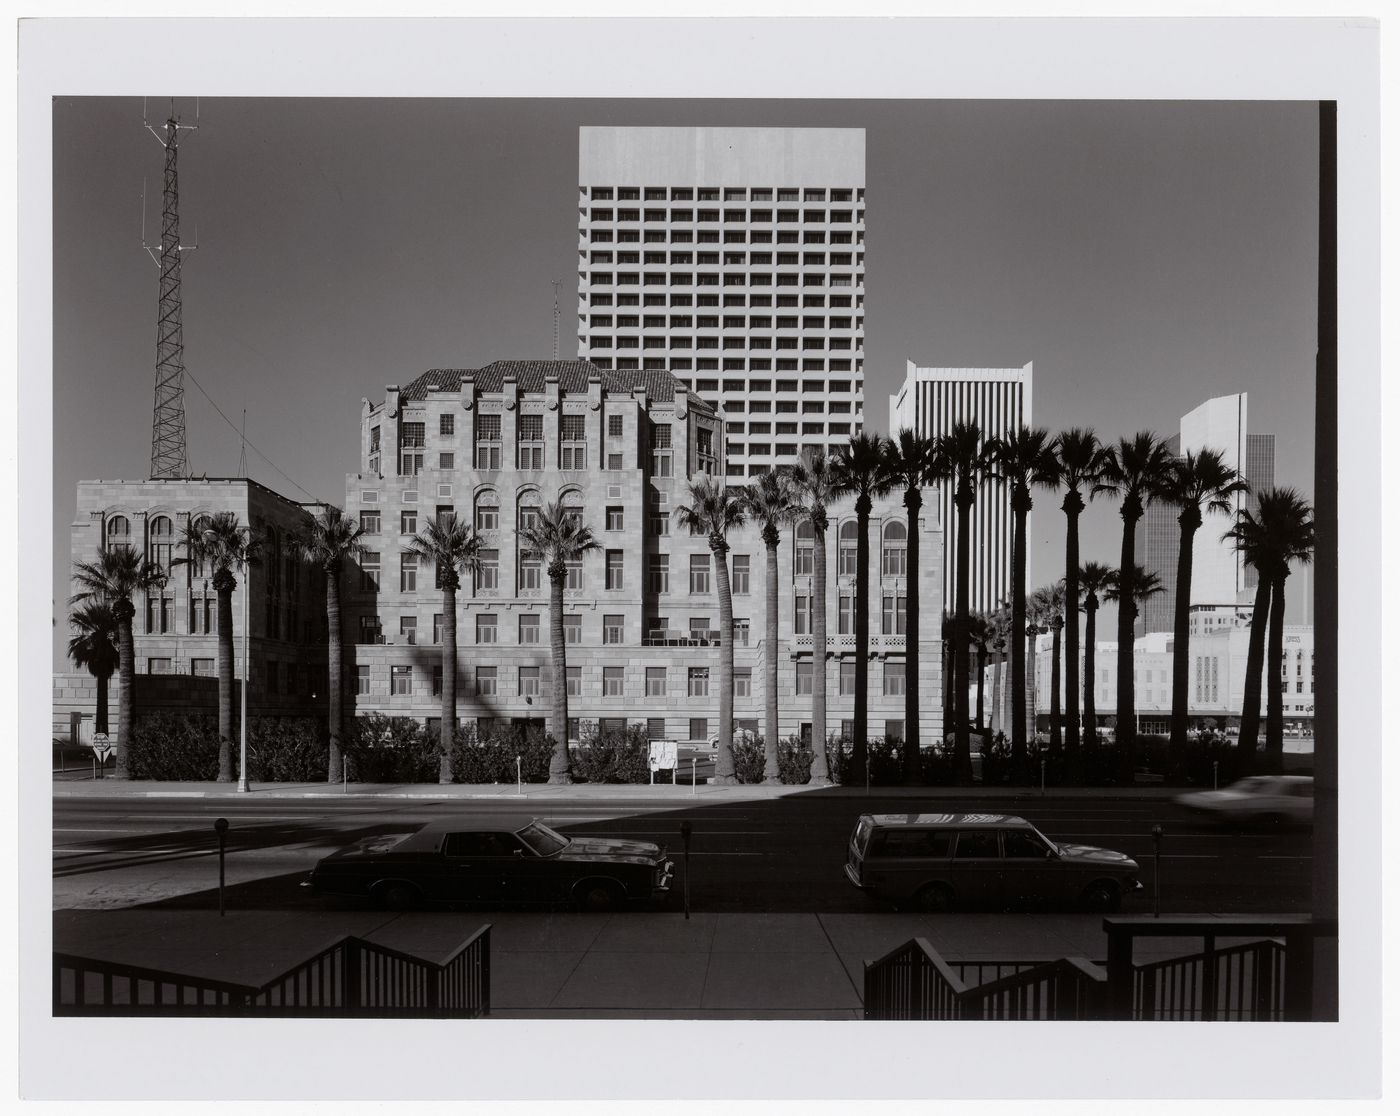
(998,400)
(733,258)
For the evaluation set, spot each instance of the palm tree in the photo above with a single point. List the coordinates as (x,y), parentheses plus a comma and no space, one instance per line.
(454,549)
(111,579)
(1081,460)
(1132,470)
(1280,531)
(1127,593)
(93,647)
(770,501)
(559,535)
(1037,621)
(1094,578)
(1196,481)
(1023,458)
(861,470)
(911,461)
(327,542)
(814,484)
(715,510)
(225,545)
(981,631)
(1050,612)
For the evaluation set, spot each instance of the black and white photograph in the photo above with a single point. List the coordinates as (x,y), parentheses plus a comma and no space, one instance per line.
(562,581)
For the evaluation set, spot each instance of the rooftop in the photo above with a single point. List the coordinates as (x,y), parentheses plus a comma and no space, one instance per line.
(573,380)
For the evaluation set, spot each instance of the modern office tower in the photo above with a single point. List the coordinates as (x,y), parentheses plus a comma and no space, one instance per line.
(733,258)
(930,402)
(1219,577)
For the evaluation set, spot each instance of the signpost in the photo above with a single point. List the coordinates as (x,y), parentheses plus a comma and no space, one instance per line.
(102,747)
(662,757)
(685,844)
(221,828)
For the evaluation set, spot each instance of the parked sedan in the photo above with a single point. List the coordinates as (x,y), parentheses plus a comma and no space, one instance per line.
(495,860)
(1259,799)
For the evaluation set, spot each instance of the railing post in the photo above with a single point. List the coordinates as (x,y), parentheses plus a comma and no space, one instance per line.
(350,972)
(917,963)
(1208,979)
(1120,971)
(1298,974)
(865,993)
(1263,982)
(1148,1008)
(486,972)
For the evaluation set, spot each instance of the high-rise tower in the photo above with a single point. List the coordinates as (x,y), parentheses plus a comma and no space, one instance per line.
(733,258)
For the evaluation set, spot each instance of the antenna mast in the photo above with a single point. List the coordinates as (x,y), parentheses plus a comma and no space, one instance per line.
(555,284)
(169,456)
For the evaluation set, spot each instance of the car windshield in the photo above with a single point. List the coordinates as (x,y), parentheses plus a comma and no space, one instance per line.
(542,839)
(1258,784)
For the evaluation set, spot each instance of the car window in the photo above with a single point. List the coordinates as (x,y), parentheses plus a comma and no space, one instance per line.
(977,843)
(480,844)
(542,839)
(910,842)
(1023,843)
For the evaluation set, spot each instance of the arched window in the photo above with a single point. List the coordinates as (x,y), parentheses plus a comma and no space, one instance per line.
(527,515)
(118,531)
(848,537)
(162,540)
(894,550)
(573,507)
(488,510)
(198,566)
(803,549)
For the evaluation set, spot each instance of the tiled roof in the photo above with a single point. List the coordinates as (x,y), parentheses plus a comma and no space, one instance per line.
(530,376)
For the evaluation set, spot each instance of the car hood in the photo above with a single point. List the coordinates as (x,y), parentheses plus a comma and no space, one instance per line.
(1092,854)
(610,848)
(1214,798)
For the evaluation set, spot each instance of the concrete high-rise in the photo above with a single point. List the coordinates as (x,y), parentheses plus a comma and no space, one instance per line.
(733,258)
(1219,576)
(998,400)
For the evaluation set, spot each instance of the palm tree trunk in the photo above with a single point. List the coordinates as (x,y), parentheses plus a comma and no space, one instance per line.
(1273,725)
(1125,724)
(448,714)
(225,651)
(913,773)
(1018,644)
(1032,694)
(559,760)
(100,720)
(335,770)
(1091,716)
(126,688)
(771,774)
(981,684)
(1253,675)
(962,754)
(821,773)
(1072,729)
(1056,743)
(724,759)
(1181,640)
(997,720)
(862,607)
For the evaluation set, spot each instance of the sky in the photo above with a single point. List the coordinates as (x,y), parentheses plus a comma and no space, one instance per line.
(1144,255)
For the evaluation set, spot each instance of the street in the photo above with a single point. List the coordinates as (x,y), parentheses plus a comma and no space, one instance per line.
(772,855)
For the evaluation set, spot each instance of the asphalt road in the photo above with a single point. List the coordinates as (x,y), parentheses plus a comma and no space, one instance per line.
(782,854)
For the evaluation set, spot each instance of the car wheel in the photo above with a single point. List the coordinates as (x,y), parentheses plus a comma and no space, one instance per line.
(398,896)
(934,898)
(598,895)
(1101,897)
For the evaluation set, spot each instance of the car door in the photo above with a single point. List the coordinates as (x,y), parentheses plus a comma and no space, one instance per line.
(469,872)
(976,867)
(525,876)
(1030,874)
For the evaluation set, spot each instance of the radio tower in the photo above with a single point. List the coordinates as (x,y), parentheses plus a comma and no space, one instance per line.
(169,458)
(555,284)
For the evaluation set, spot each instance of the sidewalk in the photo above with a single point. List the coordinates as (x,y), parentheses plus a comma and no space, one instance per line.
(598,966)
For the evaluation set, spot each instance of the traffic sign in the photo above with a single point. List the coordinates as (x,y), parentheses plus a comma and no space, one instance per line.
(101,746)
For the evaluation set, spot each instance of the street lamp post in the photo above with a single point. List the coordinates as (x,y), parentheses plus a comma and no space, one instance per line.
(243,695)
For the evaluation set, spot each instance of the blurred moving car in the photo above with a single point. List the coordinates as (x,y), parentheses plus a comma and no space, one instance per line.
(934,862)
(1259,800)
(486,859)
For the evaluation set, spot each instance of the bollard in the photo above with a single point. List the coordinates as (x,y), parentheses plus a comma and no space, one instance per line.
(221,828)
(685,846)
(692,774)
(1157,832)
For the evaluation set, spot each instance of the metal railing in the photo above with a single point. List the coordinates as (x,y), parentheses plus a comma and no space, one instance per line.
(1244,982)
(352,978)
(912,982)
(1068,989)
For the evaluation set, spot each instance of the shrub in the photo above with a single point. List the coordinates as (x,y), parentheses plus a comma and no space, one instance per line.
(491,758)
(795,761)
(749,757)
(612,756)
(175,747)
(287,750)
(380,749)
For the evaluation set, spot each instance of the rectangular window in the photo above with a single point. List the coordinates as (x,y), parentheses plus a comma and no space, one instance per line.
(573,681)
(803,680)
(573,629)
(437,682)
(401,678)
(659,573)
(743,682)
(488,516)
(486,628)
(369,522)
(485,681)
(408,523)
(408,629)
(739,577)
(437,627)
(656,681)
(699,573)
(894,679)
(848,678)
(892,612)
(656,728)
(489,574)
(369,572)
(612,519)
(488,441)
(612,629)
(361,678)
(894,730)
(529,681)
(741,631)
(700,728)
(446,425)
(445,461)
(615,462)
(408,573)
(370,631)
(661,450)
(698,682)
(529,629)
(613,566)
(612,681)
(801,615)
(845,619)
(159,666)
(614,426)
